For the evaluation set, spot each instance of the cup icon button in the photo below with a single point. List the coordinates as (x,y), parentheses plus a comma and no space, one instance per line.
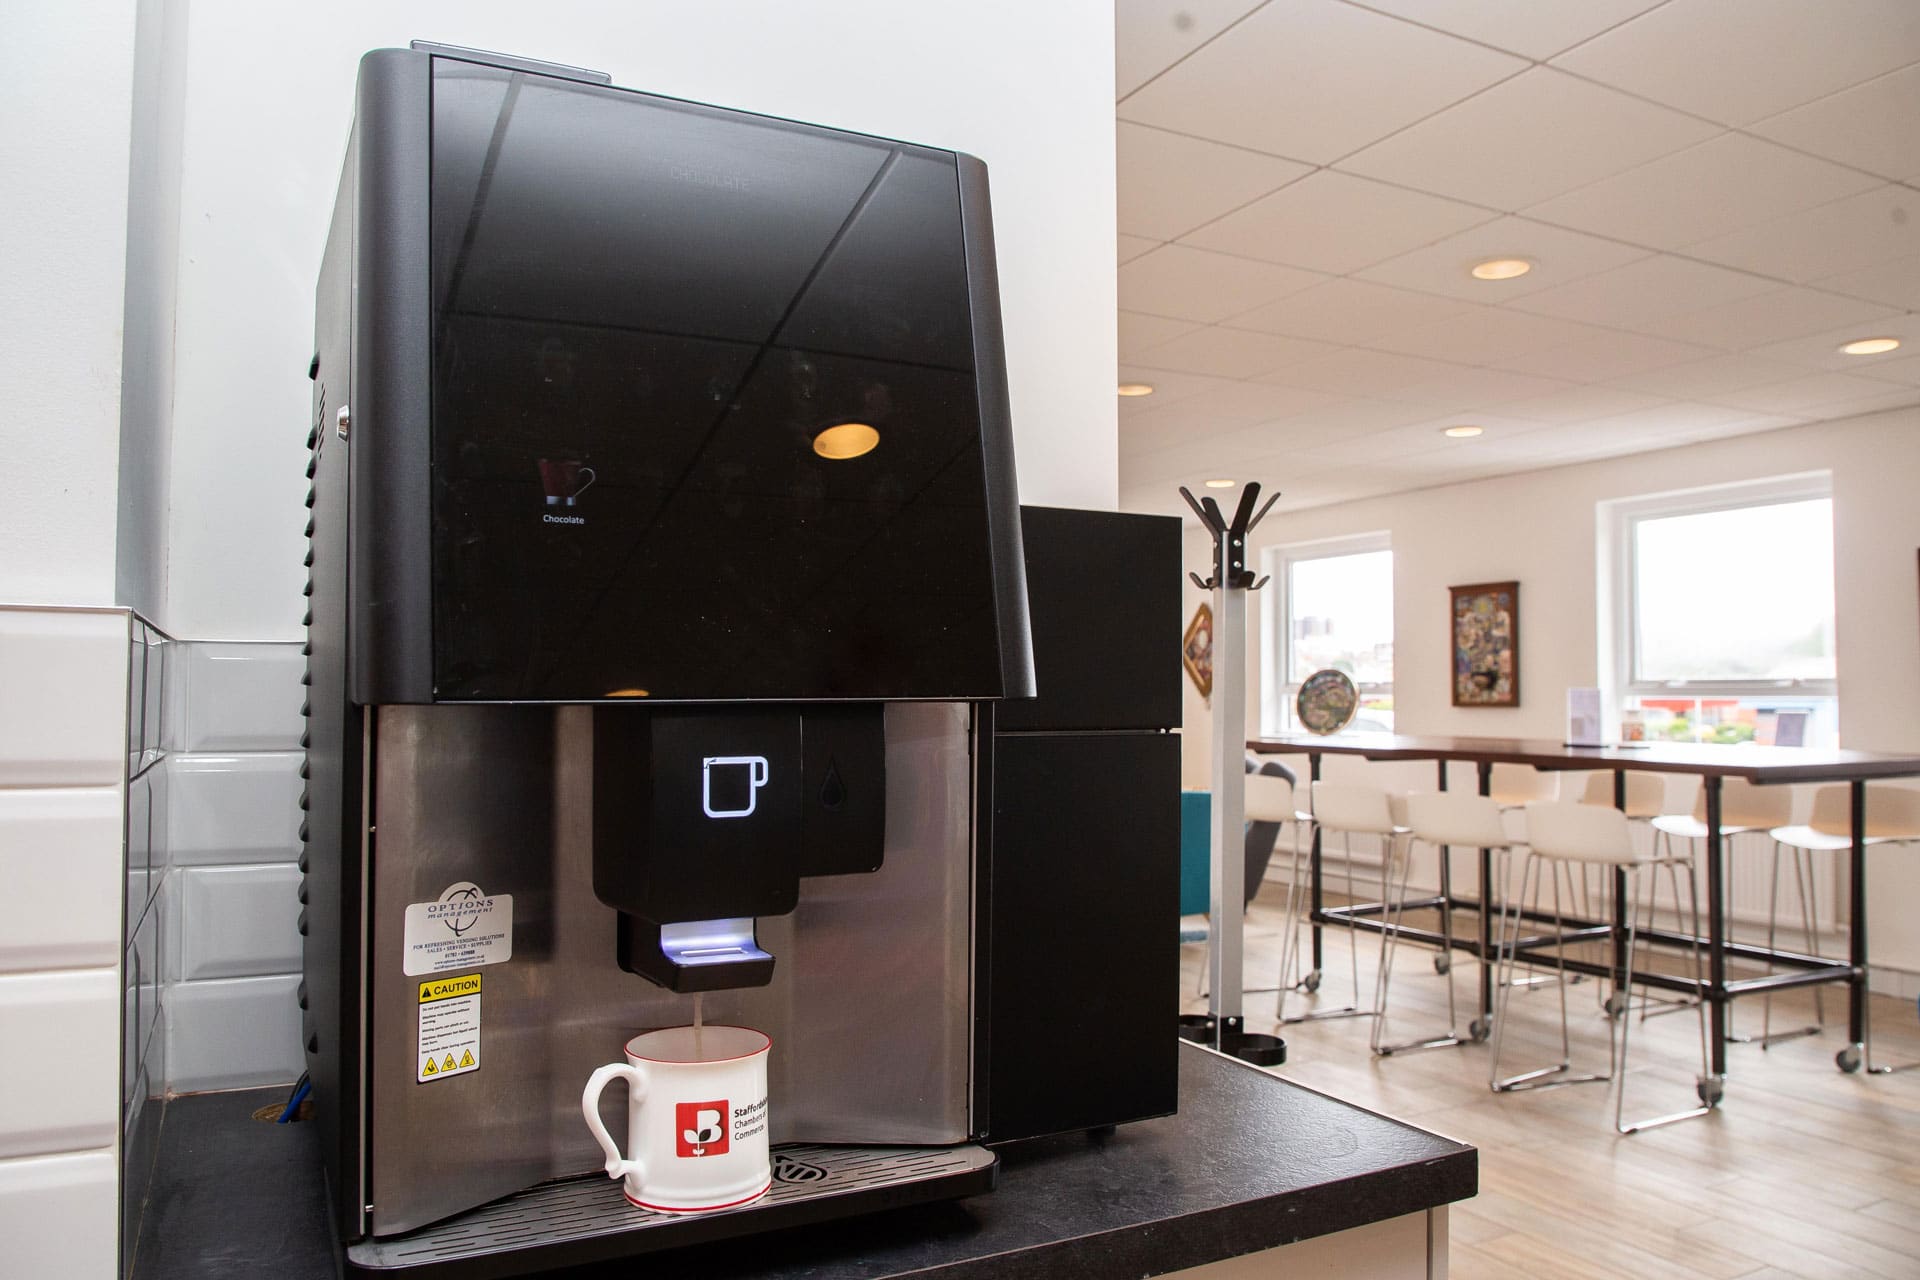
(720,787)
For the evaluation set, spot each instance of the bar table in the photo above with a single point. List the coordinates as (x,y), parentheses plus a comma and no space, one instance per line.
(1713,765)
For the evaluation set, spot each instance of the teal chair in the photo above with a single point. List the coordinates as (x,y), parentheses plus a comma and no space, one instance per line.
(1196,863)
(1196,858)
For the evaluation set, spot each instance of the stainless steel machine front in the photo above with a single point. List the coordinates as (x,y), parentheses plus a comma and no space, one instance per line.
(868,1008)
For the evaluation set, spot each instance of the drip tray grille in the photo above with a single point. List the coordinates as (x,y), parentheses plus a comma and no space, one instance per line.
(586,1219)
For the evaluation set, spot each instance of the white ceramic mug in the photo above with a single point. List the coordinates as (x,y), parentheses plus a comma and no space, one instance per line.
(696,1119)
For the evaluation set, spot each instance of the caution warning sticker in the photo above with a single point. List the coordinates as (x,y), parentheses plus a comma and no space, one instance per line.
(449,1028)
(464,928)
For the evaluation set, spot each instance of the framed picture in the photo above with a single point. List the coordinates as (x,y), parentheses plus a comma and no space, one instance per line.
(1196,650)
(1486,644)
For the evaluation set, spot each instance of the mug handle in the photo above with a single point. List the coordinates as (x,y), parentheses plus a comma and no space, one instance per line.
(617,1165)
(591,477)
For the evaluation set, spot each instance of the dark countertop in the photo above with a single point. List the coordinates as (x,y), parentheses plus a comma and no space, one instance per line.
(1251,1162)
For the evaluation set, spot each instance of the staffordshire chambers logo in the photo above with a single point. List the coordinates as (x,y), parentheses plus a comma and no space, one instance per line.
(460,907)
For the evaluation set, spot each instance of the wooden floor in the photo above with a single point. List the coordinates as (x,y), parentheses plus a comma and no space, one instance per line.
(1802,1172)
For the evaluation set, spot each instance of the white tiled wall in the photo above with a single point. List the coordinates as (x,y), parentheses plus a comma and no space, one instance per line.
(226,847)
(65,999)
(57,1215)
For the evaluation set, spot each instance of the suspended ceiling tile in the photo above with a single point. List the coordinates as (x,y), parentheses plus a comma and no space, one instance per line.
(1765,318)
(1131,247)
(1357,415)
(1315,79)
(1140,332)
(1854,234)
(1721,186)
(1530,28)
(1904,369)
(1707,379)
(1645,290)
(1191,284)
(1222,408)
(1895,398)
(1738,63)
(1741,427)
(1583,404)
(1348,311)
(1558,256)
(1168,386)
(1169,184)
(1232,353)
(1151,35)
(1608,354)
(1814,393)
(1361,372)
(1822,350)
(1337,223)
(1897,283)
(1481,335)
(1465,390)
(1529,138)
(1649,426)
(1874,126)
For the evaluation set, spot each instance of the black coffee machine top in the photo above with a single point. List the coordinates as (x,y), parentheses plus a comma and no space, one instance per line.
(676,403)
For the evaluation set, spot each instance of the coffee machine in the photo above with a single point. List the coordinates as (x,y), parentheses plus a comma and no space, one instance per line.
(665,572)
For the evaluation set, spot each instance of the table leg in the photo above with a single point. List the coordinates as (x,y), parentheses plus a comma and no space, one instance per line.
(1716,993)
(1619,922)
(1485,1025)
(1319,902)
(1856,930)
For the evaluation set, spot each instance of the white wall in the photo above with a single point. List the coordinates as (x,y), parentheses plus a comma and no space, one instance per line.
(153,249)
(1541,528)
(66,91)
(1028,88)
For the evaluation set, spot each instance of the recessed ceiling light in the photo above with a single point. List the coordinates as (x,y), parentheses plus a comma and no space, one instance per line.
(1220,484)
(1501,269)
(1464,431)
(1869,346)
(1136,389)
(847,440)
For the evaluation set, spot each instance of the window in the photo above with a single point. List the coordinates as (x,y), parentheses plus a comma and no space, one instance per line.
(1724,613)
(1331,605)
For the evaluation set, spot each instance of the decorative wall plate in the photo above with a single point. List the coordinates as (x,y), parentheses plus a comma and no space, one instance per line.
(1326,702)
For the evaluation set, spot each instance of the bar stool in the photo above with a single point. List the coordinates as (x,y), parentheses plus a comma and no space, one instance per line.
(1442,819)
(1565,836)
(1892,817)
(1744,808)
(1347,809)
(1646,799)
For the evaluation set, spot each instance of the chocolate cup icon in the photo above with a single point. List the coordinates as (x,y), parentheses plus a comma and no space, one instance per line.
(564,480)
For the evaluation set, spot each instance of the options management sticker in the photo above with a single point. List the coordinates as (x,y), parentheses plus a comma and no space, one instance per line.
(463,929)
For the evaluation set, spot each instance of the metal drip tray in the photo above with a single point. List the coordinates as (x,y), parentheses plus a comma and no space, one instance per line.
(587,1219)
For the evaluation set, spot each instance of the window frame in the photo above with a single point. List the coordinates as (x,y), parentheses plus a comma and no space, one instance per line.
(1277,688)
(1626,514)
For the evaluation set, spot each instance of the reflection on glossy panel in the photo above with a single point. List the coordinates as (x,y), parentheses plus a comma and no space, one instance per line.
(645,312)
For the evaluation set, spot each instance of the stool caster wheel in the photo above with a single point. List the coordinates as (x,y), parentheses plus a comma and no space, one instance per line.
(1616,1004)
(1848,1059)
(1311,983)
(1442,963)
(1478,1030)
(1711,1089)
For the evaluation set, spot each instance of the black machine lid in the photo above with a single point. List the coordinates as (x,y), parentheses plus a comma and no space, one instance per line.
(707,423)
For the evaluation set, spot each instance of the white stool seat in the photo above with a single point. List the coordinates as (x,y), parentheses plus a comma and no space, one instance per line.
(1804,837)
